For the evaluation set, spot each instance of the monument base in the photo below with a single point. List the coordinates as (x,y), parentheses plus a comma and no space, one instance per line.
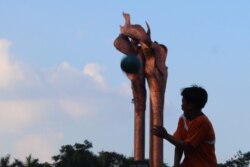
(139,164)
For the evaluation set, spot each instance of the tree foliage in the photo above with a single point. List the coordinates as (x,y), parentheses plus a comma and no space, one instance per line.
(239,160)
(29,162)
(112,159)
(76,156)
(80,155)
(4,161)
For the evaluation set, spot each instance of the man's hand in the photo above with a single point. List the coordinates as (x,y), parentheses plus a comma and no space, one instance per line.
(159,131)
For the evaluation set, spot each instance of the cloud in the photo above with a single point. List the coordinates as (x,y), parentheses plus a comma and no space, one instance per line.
(13,73)
(62,72)
(34,100)
(94,71)
(125,89)
(16,115)
(40,110)
(9,71)
(75,107)
(39,146)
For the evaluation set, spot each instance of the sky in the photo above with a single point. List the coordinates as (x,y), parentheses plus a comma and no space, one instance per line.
(61,82)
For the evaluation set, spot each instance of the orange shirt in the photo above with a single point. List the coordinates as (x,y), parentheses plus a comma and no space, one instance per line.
(200,134)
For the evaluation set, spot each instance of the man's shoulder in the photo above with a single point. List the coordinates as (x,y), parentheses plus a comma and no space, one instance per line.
(201,120)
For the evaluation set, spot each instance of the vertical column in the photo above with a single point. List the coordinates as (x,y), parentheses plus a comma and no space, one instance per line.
(139,94)
(139,136)
(156,118)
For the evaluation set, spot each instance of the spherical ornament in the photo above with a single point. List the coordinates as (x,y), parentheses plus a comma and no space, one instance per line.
(130,64)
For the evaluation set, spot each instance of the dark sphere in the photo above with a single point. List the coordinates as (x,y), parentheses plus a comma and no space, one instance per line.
(130,64)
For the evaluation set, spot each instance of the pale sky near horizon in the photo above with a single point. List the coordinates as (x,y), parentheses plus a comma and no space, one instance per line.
(61,82)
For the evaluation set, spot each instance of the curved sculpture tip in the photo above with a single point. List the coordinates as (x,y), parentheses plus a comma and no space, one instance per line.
(127,18)
(148,31)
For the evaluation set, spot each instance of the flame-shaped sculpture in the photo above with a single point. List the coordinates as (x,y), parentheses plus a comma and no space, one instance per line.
(134,40)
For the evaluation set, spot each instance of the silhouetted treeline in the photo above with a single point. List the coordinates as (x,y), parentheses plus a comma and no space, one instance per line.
(238,160)
(77,155)
(80,155)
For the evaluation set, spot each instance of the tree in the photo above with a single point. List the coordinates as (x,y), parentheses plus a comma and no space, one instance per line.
(17,163)
(112,159)
(239,160)
(4,162)
(31,162)
(77,155)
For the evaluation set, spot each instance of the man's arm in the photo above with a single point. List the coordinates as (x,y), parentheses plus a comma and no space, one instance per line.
(162,133)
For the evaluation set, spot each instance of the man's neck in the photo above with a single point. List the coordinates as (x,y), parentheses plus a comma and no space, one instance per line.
(195,114)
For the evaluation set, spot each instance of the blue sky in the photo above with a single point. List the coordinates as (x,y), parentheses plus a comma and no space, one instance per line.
(61,82)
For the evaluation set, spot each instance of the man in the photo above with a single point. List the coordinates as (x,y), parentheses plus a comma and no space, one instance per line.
(195,134)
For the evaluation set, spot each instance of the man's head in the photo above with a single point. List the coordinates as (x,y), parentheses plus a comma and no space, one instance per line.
(195,96)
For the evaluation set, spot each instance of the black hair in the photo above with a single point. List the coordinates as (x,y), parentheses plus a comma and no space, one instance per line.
(195,95)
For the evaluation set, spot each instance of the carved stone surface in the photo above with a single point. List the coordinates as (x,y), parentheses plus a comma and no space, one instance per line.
(134,40)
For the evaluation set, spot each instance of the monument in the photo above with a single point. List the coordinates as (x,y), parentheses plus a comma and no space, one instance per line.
(133,40)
